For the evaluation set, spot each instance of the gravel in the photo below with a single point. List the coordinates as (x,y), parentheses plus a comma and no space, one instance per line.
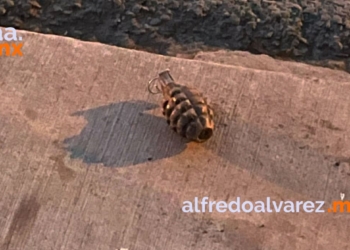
(297,29)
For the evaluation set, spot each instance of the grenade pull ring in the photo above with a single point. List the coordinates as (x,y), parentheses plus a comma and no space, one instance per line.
(163,78)
(153,84)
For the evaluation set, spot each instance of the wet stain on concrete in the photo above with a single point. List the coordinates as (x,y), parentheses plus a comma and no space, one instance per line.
(66,174)
(22,222)
(31,114)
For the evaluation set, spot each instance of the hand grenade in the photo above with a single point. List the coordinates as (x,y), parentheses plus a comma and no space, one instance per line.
(185,109)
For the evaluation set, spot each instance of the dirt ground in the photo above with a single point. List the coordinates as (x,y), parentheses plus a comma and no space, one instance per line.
(313,31)
(89,162)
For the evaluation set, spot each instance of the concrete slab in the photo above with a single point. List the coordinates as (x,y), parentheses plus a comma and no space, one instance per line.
(88,162)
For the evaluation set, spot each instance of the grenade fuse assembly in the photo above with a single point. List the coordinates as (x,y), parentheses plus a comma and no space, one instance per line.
(185,108)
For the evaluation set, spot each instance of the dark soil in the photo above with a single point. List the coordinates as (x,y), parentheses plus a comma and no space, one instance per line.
(307,30)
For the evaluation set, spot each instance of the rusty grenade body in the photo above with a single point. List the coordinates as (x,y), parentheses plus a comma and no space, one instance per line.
(186,109)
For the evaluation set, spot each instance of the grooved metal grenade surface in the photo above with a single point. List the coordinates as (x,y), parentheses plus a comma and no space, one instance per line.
(185,109)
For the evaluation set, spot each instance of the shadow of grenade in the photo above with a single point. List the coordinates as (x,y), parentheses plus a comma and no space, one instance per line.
(186,109)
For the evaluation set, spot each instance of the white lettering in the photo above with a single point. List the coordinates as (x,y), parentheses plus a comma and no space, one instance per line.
(204,202)
(278,209)
(311,206)
(237,203)
(244,206)
(9,35)
(319,208)
(211,203)
(187,207)
(290,207)
(221,207)
(259,204)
